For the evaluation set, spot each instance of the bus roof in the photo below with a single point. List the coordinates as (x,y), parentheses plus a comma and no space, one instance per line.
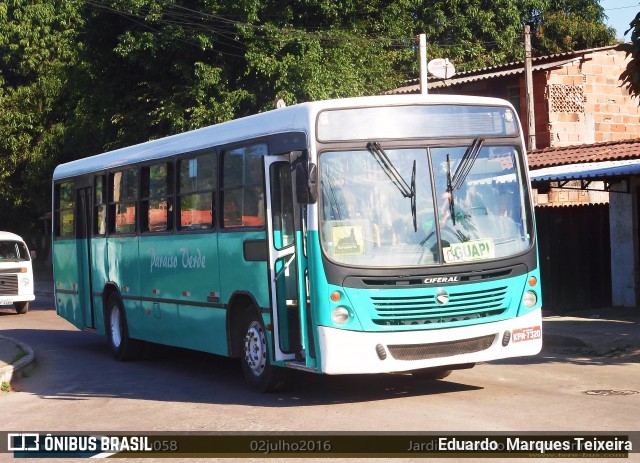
(300,117)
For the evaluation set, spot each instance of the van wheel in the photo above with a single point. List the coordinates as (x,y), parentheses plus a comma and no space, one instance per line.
(428,374)
(21,307)
(122,346)
(256,361)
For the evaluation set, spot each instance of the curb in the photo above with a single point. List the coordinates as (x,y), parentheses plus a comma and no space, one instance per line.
(551,341)
(563,344)
(18,368)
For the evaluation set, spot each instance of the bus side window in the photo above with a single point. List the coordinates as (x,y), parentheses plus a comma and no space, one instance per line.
(243,186)
(100,206)
(157,197)
(196,191)
(123,199)
(64,218)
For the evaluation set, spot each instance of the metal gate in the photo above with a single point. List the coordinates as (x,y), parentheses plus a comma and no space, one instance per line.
(575,257)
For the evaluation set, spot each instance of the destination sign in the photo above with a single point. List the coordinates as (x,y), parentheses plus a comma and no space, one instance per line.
(469,251)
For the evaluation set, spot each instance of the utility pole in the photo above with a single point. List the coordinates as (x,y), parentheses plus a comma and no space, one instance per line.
(528,76)
(422,41)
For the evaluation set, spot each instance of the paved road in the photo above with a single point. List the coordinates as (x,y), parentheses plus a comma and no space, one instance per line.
(77,386)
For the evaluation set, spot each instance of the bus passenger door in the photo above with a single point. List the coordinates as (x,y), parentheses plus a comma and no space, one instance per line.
(283,261)
(83,244)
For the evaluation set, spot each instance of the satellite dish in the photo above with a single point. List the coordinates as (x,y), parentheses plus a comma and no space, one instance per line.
(280,104)
(441,68)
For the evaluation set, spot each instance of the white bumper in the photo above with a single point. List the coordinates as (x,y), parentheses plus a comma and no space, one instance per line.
(348,352)
(9,300)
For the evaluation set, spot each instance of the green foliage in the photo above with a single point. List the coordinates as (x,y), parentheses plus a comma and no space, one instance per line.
(37,49)
(571,25)
(631,75)
(78,77)
(473,33)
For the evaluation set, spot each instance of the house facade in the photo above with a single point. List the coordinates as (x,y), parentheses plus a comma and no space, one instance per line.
(585,170)
(599,240)
(578,95)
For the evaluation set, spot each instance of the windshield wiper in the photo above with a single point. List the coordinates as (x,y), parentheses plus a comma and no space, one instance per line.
(333,201)
(466,163)
(452,207)
(462,171)
(407,190)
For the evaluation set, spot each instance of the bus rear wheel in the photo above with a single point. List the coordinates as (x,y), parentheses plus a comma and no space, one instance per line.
(21,307)
(122,346)
(256,361)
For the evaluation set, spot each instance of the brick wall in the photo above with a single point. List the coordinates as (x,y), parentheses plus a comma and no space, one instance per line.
(587,104)
(543,136)
(571,197)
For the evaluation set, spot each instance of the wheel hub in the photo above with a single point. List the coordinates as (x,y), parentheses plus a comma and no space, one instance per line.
(116,334)
(255,348)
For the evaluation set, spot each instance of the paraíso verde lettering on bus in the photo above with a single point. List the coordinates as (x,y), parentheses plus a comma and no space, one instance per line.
(185,259)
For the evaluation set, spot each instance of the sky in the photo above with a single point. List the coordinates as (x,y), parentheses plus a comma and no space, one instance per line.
(620,13)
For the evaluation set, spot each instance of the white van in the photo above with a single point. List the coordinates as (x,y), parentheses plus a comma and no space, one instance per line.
(16,273)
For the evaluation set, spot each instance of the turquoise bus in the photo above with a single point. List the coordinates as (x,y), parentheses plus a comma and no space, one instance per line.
(386,234)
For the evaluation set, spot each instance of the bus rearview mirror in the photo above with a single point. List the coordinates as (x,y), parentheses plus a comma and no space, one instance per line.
(306,178)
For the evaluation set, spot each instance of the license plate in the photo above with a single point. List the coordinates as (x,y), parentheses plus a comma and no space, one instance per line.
(6,302)
(526,334)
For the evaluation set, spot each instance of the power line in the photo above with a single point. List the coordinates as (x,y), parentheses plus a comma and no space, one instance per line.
(185,19)
(231,40)
(135,18)
(623,7)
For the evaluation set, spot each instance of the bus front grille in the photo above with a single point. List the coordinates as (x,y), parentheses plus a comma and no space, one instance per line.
(424,310)
(8,285)
(441,349)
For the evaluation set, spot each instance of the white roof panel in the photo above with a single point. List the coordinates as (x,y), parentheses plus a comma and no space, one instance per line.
(587,170)
(299,117)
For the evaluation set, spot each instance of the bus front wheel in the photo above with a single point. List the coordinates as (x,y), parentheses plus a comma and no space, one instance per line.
(256,361)
(21,307)
(122,346)
(430,374)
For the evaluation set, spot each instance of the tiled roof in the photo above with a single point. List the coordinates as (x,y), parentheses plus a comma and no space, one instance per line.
(577,154)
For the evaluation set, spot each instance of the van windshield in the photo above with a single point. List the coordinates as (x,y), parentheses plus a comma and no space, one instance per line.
(13,251)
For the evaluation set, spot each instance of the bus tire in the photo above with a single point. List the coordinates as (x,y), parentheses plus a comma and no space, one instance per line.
(21,307)
(430,374)
(122,346)
(258,371)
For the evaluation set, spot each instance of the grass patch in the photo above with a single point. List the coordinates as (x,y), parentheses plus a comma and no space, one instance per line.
(21,353)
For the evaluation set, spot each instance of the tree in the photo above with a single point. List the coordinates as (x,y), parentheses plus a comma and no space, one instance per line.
(631,75)
(37,48)
(79,77)
(480,33)
(214,60)
(566,25)
(148,71)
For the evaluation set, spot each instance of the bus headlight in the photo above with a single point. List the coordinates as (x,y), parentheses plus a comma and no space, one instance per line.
(529,299)
(340,315)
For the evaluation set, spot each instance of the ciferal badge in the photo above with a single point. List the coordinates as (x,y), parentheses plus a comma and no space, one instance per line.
(442,297)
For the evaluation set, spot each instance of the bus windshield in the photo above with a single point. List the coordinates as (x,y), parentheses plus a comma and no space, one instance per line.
(369,217)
